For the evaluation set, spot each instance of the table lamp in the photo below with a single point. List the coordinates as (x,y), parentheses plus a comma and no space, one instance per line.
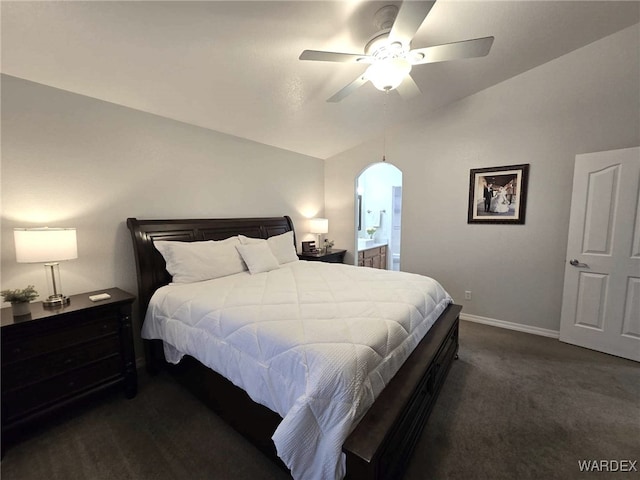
(48,245)
(319,226)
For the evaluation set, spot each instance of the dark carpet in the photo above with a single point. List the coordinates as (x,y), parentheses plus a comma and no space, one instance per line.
(514,406)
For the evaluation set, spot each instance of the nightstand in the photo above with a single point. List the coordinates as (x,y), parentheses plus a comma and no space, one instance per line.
(334,256)
(56,357)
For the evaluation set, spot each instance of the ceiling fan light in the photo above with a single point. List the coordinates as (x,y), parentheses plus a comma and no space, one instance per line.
(387,74)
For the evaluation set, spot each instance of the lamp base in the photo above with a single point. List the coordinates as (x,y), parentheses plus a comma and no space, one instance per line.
(56,301)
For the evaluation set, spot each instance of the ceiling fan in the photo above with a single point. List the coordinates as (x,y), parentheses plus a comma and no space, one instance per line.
(389,55)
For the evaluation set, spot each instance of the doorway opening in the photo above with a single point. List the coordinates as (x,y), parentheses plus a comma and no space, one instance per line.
(378,216)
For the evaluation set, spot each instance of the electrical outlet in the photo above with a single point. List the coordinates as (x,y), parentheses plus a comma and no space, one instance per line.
(467,294)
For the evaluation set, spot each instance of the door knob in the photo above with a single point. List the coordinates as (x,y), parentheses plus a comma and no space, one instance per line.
(577,264)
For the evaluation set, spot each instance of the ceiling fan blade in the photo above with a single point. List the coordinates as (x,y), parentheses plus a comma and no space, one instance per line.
(408,88)
(478,47)
(321,56)
(410,17)
(357,83)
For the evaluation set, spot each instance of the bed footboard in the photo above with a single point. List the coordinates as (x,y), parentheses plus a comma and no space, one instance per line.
(381,445)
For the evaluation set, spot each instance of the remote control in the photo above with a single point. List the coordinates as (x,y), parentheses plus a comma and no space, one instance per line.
(99,296)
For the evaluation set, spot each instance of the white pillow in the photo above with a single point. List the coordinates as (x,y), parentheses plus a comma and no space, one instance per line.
(249,240)
(189,262)
(281,246)
(258,257)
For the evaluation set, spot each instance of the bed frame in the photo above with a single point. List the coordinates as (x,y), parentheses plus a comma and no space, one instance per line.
(381,444)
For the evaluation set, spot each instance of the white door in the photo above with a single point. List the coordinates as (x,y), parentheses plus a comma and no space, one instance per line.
(601,297)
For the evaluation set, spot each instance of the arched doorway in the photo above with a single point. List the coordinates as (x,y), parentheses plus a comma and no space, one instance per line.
(378,191)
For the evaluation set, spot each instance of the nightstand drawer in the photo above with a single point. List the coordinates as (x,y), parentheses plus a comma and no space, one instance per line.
(60,334)
(22,401)
(36,369)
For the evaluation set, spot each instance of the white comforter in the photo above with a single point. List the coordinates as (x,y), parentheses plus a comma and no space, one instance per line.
(314,342)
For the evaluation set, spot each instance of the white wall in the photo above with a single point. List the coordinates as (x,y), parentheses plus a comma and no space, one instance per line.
(70,160)
(586,101)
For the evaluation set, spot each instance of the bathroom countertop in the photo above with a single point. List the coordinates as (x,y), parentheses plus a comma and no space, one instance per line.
(371,245)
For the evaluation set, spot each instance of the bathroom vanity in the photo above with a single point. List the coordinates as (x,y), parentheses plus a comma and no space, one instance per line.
(372,254)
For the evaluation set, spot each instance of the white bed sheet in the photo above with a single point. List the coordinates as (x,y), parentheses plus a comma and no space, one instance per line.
(312,341)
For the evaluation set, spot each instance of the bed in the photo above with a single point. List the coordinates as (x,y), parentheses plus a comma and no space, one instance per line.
(379,442)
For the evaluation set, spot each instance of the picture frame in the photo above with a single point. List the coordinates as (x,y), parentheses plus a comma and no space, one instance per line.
(498,195)
(309,247)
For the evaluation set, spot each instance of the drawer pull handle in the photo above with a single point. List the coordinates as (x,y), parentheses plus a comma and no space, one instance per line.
(68,361)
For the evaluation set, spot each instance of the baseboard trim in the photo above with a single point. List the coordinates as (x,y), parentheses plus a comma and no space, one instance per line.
(544,332)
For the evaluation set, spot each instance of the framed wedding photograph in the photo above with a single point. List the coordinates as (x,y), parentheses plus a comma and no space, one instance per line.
(498,194)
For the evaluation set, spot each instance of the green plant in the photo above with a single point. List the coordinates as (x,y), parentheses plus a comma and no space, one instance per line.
(19,295)
(371,231)
(328,243)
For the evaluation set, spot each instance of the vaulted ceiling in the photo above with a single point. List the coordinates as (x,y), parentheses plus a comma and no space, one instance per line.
(233,66)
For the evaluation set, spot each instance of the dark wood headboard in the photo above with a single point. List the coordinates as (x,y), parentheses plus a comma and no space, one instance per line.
(150,265)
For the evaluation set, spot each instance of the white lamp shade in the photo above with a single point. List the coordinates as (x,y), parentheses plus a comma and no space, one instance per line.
(319,225)
(37,245)
(387,74)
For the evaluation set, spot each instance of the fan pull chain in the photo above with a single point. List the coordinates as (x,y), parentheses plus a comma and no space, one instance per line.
(384,133)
